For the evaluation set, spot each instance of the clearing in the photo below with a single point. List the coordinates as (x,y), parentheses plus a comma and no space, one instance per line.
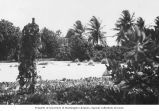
(51,70)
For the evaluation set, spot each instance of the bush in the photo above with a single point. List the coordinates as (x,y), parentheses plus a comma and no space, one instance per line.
(36,99)
(63,53)
(99,55)
(114,52)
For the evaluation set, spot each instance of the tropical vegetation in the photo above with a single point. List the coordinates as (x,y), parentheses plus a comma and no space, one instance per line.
(132,66)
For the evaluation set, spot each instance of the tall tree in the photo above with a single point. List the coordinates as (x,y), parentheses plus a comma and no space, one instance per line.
(123,26)
(79,47)
(77,30)
(141,29)
(95,31)
(49,41)
(28,53)
(9,40)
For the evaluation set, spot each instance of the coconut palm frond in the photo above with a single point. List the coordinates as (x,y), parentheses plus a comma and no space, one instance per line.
(95,30)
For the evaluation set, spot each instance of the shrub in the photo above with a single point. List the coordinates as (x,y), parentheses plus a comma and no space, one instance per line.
(63,53)
(80,91)
(114,52)
(99,55)
(36,99)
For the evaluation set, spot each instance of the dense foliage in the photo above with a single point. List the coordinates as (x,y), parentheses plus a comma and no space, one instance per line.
(28,53)
(79,42)
(50,44)
(9,40)
(96,35)
(114,52)
(141,71)
(80,48)
(63,53)
(80,91)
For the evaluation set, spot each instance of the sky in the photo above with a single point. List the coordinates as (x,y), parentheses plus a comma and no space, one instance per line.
(62,14)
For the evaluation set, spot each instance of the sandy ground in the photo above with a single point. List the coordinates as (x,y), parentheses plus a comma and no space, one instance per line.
(50,70)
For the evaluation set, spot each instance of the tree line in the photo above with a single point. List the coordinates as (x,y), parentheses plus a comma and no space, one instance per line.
(82,42)
(75,44)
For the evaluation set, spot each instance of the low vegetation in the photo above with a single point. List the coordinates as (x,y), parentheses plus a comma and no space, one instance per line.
(80,91)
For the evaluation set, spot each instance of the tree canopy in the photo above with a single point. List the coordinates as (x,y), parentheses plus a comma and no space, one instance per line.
(9,40)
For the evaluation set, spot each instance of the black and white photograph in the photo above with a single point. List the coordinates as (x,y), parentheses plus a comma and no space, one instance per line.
(79,52)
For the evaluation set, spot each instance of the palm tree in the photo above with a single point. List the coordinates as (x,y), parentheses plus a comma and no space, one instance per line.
(79,28)
(140,23)
(141,29)
(123,26)
(95,31)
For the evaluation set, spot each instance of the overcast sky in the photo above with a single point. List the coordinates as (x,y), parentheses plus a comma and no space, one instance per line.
(62,14)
